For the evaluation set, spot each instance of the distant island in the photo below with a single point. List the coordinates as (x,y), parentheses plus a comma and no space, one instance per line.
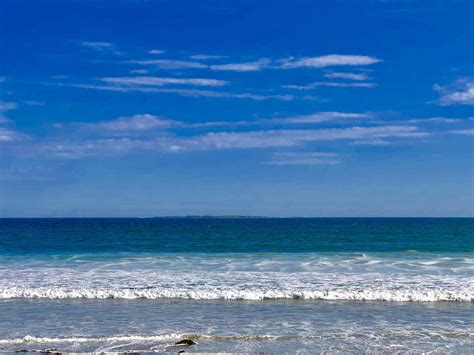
(213,217)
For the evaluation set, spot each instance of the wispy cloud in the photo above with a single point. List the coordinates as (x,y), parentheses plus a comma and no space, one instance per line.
(206,57)
(348,76)
(147,122)
(139,122)
(98,46)
(170,64)
(373,142)
(162,81)
(317,117)
(464,132)
(324,117)
(461,92)
(304,158)
(138,133)
(434,120)
(289,138)
(328,61)
(139,71)
(4,107)
(182,92)
(266,63)
(92,147)
(243,67)
(156,51)
(7,106)
(8,135)
(311,86)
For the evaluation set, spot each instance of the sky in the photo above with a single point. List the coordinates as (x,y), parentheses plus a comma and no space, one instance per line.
(135,108)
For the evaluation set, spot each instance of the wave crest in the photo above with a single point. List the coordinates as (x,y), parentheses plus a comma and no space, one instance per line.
(395,295)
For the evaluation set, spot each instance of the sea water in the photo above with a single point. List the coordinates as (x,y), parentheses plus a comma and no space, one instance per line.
(237,284)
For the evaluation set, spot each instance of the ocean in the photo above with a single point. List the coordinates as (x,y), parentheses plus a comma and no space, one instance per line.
(272,285)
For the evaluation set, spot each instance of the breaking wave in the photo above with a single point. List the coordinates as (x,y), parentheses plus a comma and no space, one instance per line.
(250,294)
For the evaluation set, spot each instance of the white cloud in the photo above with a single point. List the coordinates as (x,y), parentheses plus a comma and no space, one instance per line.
(304,158)
(138,134)
(161,81)
(206,57)
(289,138)
(373,142)
(243,67)
(91,148)
(139,71)
(98,46)
(349,76)
(324,117)
(328,61)
(434,120)
(311,86)
(461,92)
(183,92)
(317,117)
(245,95)
(171,64)
(156,51)
(139,122)
(221,124)
(8,135)
(143,122)
(7,106)
(464,132)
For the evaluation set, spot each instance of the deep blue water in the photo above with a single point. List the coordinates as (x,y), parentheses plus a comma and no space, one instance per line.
(236,235)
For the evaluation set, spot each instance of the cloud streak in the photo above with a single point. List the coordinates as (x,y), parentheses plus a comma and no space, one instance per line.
(319,117)
(328,61)
(463,132)
(162,81)
(434,120)
(170,64)
(8,135)
(348,76)
(7,106)
(243,67)
(304,158)
(98,46)
(139,122)
(314,85)
(319,62)
(290,138)
(206,57)
(156,51)
(183,92)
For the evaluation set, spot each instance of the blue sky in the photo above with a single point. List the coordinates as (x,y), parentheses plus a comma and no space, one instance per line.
(276,108)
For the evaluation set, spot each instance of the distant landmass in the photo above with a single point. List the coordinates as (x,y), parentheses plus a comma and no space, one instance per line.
(213,217)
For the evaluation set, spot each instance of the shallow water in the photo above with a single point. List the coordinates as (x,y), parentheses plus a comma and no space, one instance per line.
(238,326)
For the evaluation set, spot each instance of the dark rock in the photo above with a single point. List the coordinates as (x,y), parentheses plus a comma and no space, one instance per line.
(185,342)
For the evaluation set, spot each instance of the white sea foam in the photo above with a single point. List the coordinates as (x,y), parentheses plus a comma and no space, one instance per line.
(249,277)
(28,339)
(251,293)
(172,337)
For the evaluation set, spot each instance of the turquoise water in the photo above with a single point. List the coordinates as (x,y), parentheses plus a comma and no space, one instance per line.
(330,284)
